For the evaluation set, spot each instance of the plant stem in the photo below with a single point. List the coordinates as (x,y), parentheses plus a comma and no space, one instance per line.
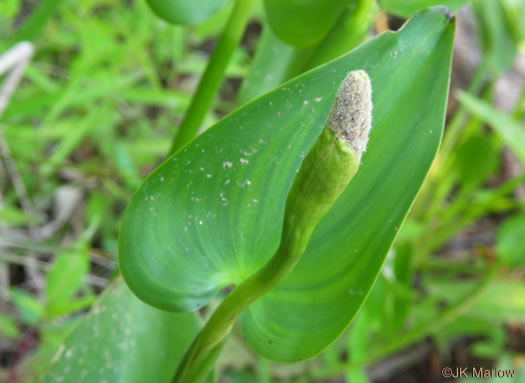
(419,332)
(198,360)
(213,75)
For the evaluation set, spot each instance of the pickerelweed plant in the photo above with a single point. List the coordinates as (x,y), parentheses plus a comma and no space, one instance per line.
(260,202)
(324,174)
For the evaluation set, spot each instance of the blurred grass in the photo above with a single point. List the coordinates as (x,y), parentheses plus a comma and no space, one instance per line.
(97,111)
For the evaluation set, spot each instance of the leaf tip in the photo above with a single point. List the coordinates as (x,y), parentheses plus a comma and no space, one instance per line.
(351,114)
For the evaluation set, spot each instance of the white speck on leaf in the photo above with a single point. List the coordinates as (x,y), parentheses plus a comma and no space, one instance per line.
(355,292)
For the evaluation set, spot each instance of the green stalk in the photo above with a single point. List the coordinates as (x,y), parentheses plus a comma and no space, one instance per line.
(213,75)
(326,171)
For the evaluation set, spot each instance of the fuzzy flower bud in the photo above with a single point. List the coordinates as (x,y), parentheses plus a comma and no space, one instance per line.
(351,114)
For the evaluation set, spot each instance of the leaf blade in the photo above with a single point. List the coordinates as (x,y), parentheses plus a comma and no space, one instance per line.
(123,340)
(184,12)
(311,21)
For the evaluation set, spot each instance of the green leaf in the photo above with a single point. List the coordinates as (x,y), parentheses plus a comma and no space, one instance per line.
(30,309)
(14,216)
(515,14)
(509,130)
(71,306)
(36,21)
(503,300)
(476,160)
(510,243)
(275,61)
(269,66)
(9,9)
(406,8)
(303,22)
(496,34)
(487,350)
(50,336)
(404,272)
(349,31)
(8,327)
(64,279)
(123,340)
(210,215)
(183,11)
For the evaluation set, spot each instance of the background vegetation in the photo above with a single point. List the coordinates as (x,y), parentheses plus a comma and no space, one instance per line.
(98,110)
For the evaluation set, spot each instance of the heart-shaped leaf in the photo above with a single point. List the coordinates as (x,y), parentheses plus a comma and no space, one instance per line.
(123,340)
(185,12)
(211,215)
(303,22)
